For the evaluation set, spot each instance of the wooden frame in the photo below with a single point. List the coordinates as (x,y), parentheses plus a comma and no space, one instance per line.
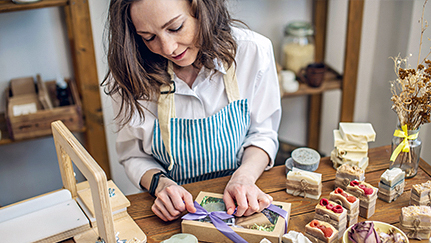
(69,149)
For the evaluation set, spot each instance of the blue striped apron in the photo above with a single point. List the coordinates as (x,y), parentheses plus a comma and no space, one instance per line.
(198,149)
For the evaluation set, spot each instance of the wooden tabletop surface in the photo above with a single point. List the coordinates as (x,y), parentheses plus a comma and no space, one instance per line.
(273,182)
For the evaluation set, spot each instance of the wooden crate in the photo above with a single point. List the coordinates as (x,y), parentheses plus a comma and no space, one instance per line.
(39,124)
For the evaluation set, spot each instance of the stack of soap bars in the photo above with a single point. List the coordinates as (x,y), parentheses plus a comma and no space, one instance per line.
(351,144)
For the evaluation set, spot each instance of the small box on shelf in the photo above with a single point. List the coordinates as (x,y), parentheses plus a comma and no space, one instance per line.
(28,115)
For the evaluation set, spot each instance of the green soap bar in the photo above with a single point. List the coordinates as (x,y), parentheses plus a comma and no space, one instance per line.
(182,238)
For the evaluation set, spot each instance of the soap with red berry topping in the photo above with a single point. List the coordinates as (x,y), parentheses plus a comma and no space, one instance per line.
(349,202)
(367,195)
(321,232)
(332,213)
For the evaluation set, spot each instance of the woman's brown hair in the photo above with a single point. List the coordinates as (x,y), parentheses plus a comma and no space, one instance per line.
(135,73)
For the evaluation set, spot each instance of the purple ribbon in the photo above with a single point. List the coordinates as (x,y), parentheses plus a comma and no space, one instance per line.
(281,212)
(217,218)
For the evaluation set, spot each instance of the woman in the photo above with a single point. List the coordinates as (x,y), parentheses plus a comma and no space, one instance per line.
(196,98)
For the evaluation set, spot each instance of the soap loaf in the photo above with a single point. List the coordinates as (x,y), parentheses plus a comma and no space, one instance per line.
(349,202)
(321,232)
(421,194)
(391,184)
(347,173)
(415,221)
(332,213)
(367,195)
(304,183)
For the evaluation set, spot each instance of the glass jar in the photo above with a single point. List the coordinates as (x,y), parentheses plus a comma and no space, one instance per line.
(407,161)
(298,46)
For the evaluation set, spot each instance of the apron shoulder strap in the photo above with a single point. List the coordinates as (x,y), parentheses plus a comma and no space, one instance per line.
(231,83)
(165,111)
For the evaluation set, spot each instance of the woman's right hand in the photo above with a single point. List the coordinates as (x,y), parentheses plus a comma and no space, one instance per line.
(171,200)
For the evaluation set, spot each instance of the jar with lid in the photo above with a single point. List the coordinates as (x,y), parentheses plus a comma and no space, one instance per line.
(298,46)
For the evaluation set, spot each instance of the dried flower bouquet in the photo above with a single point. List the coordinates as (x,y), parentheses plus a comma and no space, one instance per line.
(411,97)
(411,91)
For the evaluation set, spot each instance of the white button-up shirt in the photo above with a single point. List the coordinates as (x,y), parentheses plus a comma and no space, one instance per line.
(257,82)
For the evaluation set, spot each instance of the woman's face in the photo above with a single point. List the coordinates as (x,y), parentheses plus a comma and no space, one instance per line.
(167,28)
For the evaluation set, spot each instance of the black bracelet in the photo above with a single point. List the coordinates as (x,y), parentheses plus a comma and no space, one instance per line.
(155,182)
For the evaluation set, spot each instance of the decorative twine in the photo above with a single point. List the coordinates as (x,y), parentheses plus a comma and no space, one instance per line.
(303,188)
(404,145)
(416,228)
(398,190)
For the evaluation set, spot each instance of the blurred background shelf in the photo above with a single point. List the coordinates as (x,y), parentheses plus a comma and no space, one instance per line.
(332,81)
(5,138)
(80,36)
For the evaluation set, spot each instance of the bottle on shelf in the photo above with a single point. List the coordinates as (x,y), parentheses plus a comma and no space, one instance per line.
(62,92)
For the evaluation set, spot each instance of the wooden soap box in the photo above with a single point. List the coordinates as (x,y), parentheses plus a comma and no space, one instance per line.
(207,232)
(38,124)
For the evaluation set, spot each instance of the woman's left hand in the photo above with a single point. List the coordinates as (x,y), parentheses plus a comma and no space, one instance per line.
(248,197)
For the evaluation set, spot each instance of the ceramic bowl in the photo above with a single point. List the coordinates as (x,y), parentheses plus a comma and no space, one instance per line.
(384,227)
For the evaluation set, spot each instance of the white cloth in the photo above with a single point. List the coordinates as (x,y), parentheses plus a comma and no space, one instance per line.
(257,82)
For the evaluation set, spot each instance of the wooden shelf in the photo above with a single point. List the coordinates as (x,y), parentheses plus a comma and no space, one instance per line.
(5,138)
(332,81)
(8,6)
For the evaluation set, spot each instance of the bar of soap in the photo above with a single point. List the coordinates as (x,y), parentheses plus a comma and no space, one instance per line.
(304,183)
(316,234)
(347,173)
(294,237)
(411,213)
(420,194)
(310,177)
(415,221)
(306,159)
(391,184)
(392,176)
(337,217)
(345,145)
(352,158)
(357,132)
(181,238)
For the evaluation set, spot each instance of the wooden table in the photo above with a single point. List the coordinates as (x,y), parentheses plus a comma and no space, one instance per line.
(273,182)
